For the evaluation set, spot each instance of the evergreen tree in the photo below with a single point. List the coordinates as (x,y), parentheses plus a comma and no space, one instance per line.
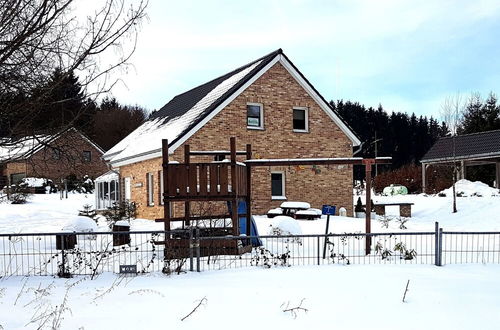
(479,115)
(406,138)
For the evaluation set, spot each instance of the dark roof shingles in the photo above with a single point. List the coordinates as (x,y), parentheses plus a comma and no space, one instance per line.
(465,145)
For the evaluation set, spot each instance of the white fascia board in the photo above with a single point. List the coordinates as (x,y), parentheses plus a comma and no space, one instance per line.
(355,141)
(136,159)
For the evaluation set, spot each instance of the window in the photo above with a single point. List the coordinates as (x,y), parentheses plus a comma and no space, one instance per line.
(149,184)
(128,186)
(17,178)
(87,156)
(255,118)
(300,120)
(160,187)
(278,185)
(56,154)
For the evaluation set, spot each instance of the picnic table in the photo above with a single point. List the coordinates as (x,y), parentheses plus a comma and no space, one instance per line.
(297,210)
(290,208)
(404,208)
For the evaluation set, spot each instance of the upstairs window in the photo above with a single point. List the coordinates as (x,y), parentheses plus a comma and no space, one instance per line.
(300,120)
(56,154)
(255,117)
(87,156)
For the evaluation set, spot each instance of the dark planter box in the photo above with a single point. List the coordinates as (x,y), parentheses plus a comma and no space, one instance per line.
(68,239)
(121,239)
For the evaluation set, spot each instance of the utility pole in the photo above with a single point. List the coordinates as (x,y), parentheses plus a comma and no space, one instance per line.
(376,151)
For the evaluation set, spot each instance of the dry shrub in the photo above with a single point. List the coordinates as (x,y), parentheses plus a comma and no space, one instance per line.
(410,176)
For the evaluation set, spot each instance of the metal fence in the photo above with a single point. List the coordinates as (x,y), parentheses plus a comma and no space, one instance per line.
(91,253)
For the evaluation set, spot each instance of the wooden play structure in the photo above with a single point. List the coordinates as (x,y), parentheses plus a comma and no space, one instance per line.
(217,181)
(226,181)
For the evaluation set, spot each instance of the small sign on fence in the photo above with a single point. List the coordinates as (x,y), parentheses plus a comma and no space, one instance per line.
(128,269)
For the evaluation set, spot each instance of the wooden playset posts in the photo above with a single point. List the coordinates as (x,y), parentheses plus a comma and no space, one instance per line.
(217,181)
(210,182)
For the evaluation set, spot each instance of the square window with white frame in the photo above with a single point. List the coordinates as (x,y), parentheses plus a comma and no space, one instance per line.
(278,185)
(300,120)
(255,116)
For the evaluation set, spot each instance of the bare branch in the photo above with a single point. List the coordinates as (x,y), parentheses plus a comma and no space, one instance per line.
(201,302)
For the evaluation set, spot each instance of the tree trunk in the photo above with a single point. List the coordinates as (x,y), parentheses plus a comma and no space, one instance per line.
(454,192)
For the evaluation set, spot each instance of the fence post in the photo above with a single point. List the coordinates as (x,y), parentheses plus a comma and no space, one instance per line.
(62,270)
(440,246)
(198,249)
(191,248)
(318,250)
(436,243)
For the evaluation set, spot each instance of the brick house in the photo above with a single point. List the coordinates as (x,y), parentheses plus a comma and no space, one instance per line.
(267,103)
(51,156)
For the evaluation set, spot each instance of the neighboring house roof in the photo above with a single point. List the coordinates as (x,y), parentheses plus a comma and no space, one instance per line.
(188,112)
(23,148)
(476,145)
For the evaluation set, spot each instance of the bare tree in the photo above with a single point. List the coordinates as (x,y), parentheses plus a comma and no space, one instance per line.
(451,112)
(38,36)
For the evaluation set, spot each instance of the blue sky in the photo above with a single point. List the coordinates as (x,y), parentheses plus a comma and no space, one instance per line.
(407,55)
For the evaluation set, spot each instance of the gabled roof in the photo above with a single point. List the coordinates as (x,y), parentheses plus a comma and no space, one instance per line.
(26,147)
(476,145)
(189,111)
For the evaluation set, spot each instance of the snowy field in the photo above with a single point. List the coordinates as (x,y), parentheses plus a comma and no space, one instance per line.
(336,297)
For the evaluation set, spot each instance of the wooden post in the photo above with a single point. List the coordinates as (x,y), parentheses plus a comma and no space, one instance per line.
(249,190)
(368,170)
(166,201)
(187,204)
(234,190)
(424,183)
(462,170)
(498,175)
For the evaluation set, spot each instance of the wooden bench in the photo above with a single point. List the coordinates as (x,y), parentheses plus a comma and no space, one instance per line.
(404,208)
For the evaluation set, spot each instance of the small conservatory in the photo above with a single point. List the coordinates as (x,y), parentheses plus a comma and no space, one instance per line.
(107,190)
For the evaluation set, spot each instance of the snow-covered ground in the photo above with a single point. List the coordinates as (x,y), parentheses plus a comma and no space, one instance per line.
(449,297)
(48,213)
(336,297)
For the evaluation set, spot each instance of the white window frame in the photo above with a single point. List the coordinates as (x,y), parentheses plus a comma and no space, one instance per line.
(306,110)
(283,179)
(150,189)
(127,182)
(261,127)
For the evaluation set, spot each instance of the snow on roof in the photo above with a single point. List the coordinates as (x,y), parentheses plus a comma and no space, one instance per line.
(148,137)
(19,149)
(108,176)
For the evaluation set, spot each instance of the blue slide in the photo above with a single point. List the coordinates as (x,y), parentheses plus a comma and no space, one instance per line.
(242,211)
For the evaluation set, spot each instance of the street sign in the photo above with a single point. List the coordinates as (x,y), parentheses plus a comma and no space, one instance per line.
(328,210)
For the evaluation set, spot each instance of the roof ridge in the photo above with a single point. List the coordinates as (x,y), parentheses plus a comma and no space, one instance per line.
(469,134)
(274,53)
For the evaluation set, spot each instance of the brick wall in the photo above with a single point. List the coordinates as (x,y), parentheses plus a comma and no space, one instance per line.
(278,91)
(72,145)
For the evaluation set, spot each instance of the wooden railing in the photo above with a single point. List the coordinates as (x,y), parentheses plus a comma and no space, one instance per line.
(205,180)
